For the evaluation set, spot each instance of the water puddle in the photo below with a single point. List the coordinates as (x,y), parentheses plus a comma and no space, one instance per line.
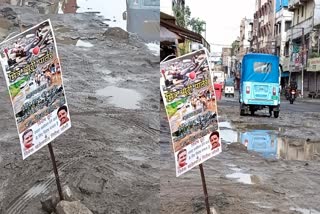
(66,40)
(154,48)
(241,177)
(229,136)
(121,97)
(81,43)
(305,211)
(266,142)
(225,124)
(106,71)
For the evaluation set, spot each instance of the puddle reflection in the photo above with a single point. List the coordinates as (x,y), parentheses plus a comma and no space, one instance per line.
(268,144)
(225,124)
(264,142)
(121,97)
(81,43)
(243,177)
(229,136)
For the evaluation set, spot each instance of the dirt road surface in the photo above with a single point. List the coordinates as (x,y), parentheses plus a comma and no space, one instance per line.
(246,181)
(110,156)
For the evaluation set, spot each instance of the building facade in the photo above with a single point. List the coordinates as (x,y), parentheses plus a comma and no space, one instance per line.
(304,43)
(283,22)
(263,27)
(245,37)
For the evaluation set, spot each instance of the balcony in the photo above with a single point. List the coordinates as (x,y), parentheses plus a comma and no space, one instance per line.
(293,4)
(296,31)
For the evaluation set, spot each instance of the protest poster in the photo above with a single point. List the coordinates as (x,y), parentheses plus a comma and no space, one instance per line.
(186,86)
(33,75)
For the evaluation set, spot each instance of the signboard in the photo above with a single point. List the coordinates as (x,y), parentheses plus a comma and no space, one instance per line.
(284,61)
(33,75)
(313,64)
(189,98)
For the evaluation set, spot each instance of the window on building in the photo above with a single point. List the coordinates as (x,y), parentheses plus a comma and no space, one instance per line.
(279,29)
(287,26)
(298,16)
(286,49)
(302,11)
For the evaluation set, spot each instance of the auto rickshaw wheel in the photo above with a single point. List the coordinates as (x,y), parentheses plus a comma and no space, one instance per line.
(276,114)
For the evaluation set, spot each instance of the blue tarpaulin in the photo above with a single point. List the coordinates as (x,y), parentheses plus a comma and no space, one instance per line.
(260,67)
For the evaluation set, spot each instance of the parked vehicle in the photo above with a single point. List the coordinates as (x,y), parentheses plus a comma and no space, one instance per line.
(260,84)
(229,88)
(143,18)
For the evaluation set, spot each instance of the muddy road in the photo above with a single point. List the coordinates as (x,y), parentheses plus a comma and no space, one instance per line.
(110,156)
(275,173)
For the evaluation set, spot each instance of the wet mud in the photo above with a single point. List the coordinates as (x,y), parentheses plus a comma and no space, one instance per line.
(110,156)
(267,165)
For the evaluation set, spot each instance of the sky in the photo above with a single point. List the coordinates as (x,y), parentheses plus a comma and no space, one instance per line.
(223,18)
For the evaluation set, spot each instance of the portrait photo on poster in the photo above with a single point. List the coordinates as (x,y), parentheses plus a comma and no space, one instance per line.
(62,114)
(27,139)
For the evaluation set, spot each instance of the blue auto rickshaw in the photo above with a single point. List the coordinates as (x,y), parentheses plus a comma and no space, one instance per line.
(259,84)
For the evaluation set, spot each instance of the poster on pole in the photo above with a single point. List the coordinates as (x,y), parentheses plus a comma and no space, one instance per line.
(186,86)
(33,75)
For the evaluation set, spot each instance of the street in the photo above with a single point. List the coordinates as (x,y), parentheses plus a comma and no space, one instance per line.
(109,156)
(276,175)
(299,105)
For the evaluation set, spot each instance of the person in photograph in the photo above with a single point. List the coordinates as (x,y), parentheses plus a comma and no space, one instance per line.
(203,101)
(27,138)
(182,158)
(63,115)
(214,139)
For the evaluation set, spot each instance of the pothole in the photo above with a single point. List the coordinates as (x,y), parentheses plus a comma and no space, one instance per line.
(121,97)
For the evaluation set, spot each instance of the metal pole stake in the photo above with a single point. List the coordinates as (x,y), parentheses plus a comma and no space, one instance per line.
(204,188)
(55,169)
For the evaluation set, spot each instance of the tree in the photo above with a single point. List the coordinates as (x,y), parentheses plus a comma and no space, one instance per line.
(197,25)
(182,15)
(235,47)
